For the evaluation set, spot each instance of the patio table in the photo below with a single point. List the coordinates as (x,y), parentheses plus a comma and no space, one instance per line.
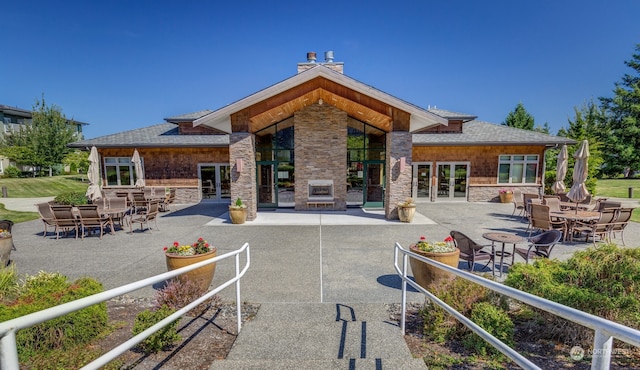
(504,238)
(571,216)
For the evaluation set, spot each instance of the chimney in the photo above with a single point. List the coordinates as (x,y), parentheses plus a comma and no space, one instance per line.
(328,62)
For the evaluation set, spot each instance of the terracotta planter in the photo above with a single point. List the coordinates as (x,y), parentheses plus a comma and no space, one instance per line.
(203,275)
(237,215)
(406,213)
(506,197)
(428,276)
(5,250)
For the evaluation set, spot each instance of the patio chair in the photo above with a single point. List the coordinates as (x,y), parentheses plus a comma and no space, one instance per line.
(600,228)
(540,246)
(541,220)
(65,219)
(471,251)
(621,222)
(553,203)
(44,209)
(90,218)
(526,198)
(118,209)
(169,199)
(518,203)
(602,204)
(138,201)
(150,213)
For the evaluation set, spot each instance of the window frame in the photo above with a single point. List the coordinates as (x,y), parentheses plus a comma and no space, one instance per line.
(526,161)
(119,162)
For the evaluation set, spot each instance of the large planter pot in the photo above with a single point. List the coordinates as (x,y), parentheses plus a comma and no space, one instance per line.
(6,244)
(237,215)
(428,276)
(506,197)
(202,276)
(406,213)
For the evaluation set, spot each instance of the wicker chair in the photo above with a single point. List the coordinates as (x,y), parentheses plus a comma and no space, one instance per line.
(540,246)
(471,251)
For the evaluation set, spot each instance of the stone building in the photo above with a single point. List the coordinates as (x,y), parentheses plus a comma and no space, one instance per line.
(323,140)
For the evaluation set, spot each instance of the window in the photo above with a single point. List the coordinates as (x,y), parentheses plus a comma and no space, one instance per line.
(120,171)
(517,169)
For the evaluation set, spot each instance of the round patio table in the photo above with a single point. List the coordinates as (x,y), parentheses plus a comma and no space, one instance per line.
(503,238)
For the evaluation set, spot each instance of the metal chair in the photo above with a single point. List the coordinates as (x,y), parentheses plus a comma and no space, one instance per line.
(90,218)
(471,251)
(44,209)
(540,246)
(150,213)
(65,219)
(621,222)
(541,220)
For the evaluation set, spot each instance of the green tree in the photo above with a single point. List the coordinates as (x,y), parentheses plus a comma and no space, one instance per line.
(621,152)
(43,142)
(77,161)
(519,118)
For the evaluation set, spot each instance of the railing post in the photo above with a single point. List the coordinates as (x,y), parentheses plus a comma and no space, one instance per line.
(9,351)
(238,304)
(602,347)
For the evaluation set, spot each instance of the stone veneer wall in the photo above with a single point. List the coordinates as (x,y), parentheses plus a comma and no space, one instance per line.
(321,152)
(243,184)
(398,186)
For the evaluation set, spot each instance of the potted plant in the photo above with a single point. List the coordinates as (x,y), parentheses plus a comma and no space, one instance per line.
(6,244)
(428,276)
(178,256)
(406,210)
(506,195)
(238,212)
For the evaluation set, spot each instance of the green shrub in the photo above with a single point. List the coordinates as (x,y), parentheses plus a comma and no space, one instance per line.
(163,338)
(46,290)
(8,282)
(461,295)
(603,281)
(71,198)
(12,172)
(493,320)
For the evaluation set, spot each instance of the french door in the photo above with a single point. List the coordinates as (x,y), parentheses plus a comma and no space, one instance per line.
(452,180)
(421,185)
(215,181)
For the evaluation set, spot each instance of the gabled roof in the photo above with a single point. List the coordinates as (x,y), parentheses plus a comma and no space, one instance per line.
(161,135)
(452,115)
(485,133)
(221,118)
(188,117)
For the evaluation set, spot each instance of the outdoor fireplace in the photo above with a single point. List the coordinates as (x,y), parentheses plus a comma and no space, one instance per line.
(320,190)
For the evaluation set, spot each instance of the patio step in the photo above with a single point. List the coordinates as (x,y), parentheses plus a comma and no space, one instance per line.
(320,336)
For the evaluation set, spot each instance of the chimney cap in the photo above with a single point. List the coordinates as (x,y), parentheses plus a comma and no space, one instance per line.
(328,56)
(311,57)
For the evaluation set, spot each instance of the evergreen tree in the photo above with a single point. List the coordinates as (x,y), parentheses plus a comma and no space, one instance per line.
(622,143)
(519,118)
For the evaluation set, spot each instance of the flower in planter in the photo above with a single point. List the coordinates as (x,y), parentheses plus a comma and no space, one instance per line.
(4,233)
(199,247)
(445,246)
(506,191)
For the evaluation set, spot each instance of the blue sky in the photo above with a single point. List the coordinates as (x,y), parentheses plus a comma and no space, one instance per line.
(121,65)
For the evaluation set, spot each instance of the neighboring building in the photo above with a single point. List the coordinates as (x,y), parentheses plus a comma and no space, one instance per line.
(323,139)
(12,118)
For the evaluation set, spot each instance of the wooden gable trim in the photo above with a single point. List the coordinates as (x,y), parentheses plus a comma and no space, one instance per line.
(283,105)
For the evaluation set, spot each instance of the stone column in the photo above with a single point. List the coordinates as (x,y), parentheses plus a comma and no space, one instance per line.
(243,184)
(398,184)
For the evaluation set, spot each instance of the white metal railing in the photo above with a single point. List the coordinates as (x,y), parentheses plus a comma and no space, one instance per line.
(8,329)
(605,330)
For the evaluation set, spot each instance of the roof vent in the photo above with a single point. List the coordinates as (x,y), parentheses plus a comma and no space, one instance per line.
(311,57)
(328,56)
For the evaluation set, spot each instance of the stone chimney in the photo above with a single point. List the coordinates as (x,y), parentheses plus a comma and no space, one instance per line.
(328,62)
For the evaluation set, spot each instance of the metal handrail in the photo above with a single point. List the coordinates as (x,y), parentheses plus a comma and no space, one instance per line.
(8,329)
(605,330)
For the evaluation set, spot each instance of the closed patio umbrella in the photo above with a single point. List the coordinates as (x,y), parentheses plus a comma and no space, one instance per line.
(137,163)
(561,171)
(578,191)
(93,174)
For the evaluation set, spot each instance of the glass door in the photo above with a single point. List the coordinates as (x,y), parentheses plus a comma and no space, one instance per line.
(374,184)
(215,180)
(452,180)
(267,196)
(421,182)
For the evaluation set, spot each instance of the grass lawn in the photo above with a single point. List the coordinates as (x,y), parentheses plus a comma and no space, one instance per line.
(38,187)
(619,188)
